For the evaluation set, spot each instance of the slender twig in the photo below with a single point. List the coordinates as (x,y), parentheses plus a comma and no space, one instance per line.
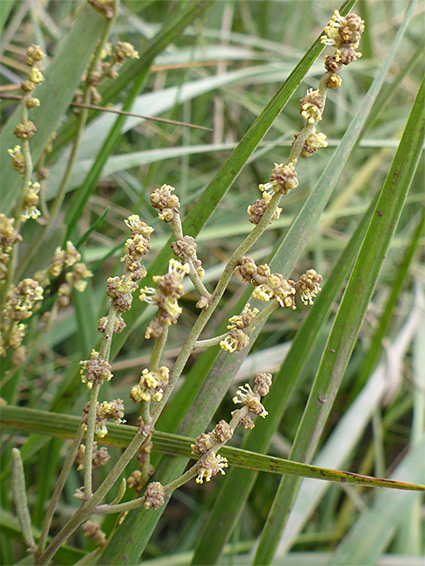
(122,112)
(69,461)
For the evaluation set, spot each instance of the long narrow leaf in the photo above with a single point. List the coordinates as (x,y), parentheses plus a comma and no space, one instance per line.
(53,424)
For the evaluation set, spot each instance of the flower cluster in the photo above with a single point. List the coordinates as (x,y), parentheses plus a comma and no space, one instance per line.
(270,286)
(8,237)
(112,58)
(236,339)
(312,143)
(344,34)
(167,203)
(20,305)
(104,7)
(113,410)
(92,530)
(185,250)
(220,435)
(120,289)
(154,496)
(66,259)
(283,178)
(30,203)
(21,301)
(308,286)
(257,210)
(18,161)
(26,129)
(151,385)
(100,456)
(251,398)
(136,247)
(170,289)
(209,465)
(95,370)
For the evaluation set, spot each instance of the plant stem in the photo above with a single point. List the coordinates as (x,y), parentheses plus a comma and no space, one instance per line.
(82,120)
(26,180)
(69,460)
(104,351)
(209,342)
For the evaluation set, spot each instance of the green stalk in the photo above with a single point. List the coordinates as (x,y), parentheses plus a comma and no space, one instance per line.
(69,461)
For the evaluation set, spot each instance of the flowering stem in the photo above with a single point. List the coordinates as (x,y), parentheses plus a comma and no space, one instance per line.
(26,179)
(193,274)
(69,461)
(206,314)
(104,351)
(82,120)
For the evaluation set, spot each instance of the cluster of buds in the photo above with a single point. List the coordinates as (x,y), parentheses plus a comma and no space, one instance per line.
(251,398)
(8,237)
(344,34)
(104,7)
(218,436)
(311,106)
(283,178)
(31,198)
(21,301)
(77,273)
(167,203)
(314,141)
(112,58)
(185,250)
(95,370)
(170,289)
(113,410)
(20,305)
(18,160)
(92,530)
(237,339)
(100,456)
(257,210)
(135,481)
(154,496)
(143,454)
(270,286)
(120,289)
(136,247)
(151,385)
(35,77)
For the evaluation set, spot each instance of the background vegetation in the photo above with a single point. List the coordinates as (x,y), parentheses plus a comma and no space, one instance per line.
(219,70)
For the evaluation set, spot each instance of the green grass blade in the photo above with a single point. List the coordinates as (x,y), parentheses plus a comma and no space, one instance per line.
(392,510)
(53,424)
(375,349)
(170,31)
(55,95)
(5,7)
(349,317)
